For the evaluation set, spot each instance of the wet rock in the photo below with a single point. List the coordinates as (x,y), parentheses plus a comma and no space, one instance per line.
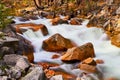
(49,73)
(56,43)
(23,19)
(88,68)
(35,74)
(57,20)
(76,21)
(32,26)
(33,17)
(23,63)
(57,77)
(89,61)
(79,53)
(11,59)
(99,61)
(55,56)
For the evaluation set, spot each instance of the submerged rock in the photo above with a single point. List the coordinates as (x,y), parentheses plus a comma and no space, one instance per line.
(79,53)
(57,43)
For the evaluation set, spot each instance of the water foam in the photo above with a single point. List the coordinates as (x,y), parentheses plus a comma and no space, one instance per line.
(80,34)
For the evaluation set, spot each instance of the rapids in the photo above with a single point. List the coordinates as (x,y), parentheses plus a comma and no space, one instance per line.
(79,34)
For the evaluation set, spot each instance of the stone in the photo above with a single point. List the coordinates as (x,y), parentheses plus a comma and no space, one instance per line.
(15,72)
(76,21)
(49,73)
(88,68)
(23,63)
(115,40)
(99,61)
(57,43)
(89,61)
(58,20)
(55,56)
(32,26)
(57,77)
(11,59)
(35,74)
(79,53)
(9,42)
(25,48)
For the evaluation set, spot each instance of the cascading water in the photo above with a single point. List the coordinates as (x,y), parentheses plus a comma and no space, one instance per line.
(79,34)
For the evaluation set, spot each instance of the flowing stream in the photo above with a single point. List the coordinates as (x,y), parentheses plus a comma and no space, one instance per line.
(79,34)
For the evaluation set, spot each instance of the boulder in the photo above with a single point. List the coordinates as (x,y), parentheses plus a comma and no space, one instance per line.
(35,74)
(32,26)
(57,77)
(23,63)
(79,53)
(76,21)
(57,43)
(25,48)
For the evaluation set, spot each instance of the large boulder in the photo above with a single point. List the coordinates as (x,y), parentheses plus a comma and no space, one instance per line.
(57,43)
(79,53)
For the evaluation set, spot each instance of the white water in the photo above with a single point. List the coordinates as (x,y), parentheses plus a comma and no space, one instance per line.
(79,34)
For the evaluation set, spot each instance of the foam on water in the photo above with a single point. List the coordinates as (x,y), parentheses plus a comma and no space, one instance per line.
(80,34)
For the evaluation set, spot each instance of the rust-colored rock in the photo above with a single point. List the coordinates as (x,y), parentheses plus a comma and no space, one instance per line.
(79,53)
(32,26)
(75,21)
(57,43)
(46,65)
(58,20)
(115,40)
(49,73)
(55,56)
(88,68)
(99,61)
(89,61)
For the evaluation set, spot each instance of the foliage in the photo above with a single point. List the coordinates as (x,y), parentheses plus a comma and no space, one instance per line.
(4,13)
